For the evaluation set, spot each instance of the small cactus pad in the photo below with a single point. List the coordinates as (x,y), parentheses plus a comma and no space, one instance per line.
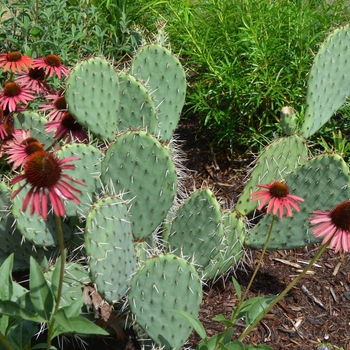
(86,169)
(33,227)
(197,231)
(138,166)
(12,240)
(165,283)
(275,162)
(109,247)
(329,82)
(136,107)
(165,78)
(36,124)
(288,120)
(322,182)
(92,96)
(231,247)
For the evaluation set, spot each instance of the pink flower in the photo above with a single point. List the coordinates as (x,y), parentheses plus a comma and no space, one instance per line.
(67,129)
(276,194)
(52,64)
(45,173)
(333,224)
(21,147)
(15,62)
(13,94)
(33,80)
(57,106)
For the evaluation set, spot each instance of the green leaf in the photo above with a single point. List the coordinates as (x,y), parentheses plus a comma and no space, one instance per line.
(43,346)
(21,334)
(194,322)
(11,308)
(40,292)
(237,288)
(235,345)
(75,325)
(55,280)
(257,307)
(6,286)
(210,344)
(221,318)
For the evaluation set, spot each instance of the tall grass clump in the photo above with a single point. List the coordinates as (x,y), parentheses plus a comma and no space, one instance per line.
(246,59)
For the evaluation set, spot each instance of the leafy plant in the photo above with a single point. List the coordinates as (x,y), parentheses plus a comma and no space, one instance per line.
(246,59)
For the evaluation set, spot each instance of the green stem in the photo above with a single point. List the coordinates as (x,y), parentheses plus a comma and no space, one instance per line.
(60,283)
(239,306)
(5,343)
(289,287)
(256,270)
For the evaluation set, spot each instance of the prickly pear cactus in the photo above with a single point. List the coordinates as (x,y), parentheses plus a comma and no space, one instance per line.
(92,96)
(88,170)
(276,161)
(165,283)
(231,248)
(328,83)
(109,247)
(322,182)
(288,120)
(138,166)
(197,231)
(165,78)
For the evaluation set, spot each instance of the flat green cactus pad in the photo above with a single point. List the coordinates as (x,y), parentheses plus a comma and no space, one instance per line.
(276,161)
(329,81)
(109,247)
(165,78)
(92,96)
(138,166)
(197,231)
(323,182)
(165,283)
(231,247)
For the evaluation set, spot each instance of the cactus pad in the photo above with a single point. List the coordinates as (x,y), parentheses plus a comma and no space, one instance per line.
(140,167)
(165,283)
(92,96)
(323,182)
(328,83)
(109,247)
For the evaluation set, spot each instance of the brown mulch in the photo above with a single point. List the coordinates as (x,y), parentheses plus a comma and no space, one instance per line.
(316,310)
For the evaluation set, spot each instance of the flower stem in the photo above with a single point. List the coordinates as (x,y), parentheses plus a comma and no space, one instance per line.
(239,306)
(60,283)
(256,269)
(288,288)
(5,343)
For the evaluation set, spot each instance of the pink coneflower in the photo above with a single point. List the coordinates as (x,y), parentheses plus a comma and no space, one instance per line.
(276,194)
(19,152)
(15,62)
(67,129)
(56,104)
(52,64)
(45,173)
(34,80)
(13,94)
(333,224)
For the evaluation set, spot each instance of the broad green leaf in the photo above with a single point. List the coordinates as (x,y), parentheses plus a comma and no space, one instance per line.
(235,345)
(56,277)
(40,292)
(194,322)
(211,343)
(6,286)
(74,309)
(221,318)
(257,307)
(11,308)
(43,346)
(237,288)
(21,335)
(75,325)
